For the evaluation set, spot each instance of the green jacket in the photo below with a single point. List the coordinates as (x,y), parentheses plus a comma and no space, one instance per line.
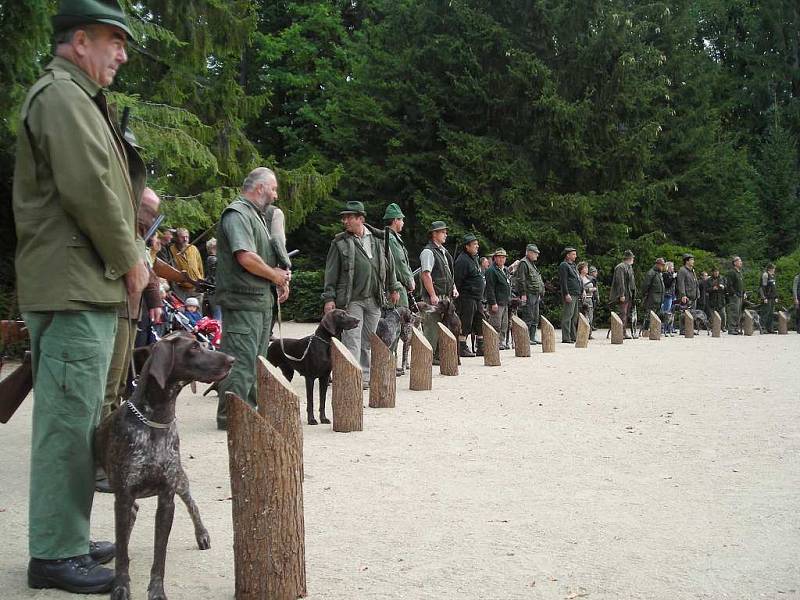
(716,292)
(569,280)
(653,290)
(74,200)
(527,279)
(348,269)
(401,264)
(735,283)
(498,288)
(622,284)
(687,284)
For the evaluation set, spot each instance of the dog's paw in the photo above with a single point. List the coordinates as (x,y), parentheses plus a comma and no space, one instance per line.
(120,592)
(312,421)
(324,420)
(203,540)
(155,591)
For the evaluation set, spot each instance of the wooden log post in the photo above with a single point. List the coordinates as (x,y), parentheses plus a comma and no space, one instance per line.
(267,507)
(783,322)
(617,329)
(584,329)
(448,351)
(382,375)
(748,327)
(491,345)
(548,335)
(421,376)
(521,337)
(655,326)
(279,405)
(716,324)
(688,324)
(346,397)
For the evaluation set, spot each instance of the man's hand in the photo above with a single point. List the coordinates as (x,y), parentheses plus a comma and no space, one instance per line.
(434,300)
(281,277)
(455,293)
(524,298)
(328,307)
(156,315)
(622,298)
(413,286)
(568,299)
(495,308)
(137,278)
(394,297)
(283,294)
(684,299)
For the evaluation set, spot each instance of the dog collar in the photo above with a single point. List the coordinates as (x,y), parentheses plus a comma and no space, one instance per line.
(144,419)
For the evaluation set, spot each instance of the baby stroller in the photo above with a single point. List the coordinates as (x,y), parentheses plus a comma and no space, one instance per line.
(207,331)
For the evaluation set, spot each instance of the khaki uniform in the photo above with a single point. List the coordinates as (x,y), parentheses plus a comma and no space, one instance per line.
(528,282)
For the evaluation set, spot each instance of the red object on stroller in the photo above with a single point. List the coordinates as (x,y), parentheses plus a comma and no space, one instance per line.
(211,329)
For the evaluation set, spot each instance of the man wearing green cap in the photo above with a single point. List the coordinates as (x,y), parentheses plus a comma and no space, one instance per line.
(571,288)
(436,275)
(653,291)
(529,286)
(623,289)
(735,293)
(716,295)
(394,219)
(688,288)
(467,278)
(77,260)
(498,293)
(358,275)
(768,291)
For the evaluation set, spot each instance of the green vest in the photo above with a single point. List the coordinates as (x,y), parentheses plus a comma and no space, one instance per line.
(441,274)
(237,288)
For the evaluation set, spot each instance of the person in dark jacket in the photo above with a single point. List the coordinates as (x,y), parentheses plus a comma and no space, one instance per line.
(768,291)
(571,289)
(623,289)
(653,291)
(735,293)
(436,277)
(498,293)
(670,279)
(529,286)
(688,289)
(716,295)
(469,281)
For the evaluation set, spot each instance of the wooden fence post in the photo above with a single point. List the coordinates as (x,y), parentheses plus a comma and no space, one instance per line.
(655,326)
(421,377)
(548,335)
(617,329)
(267,508)
(584,329)
(747,323)
(521,337)
(688,324)
(279,405)
(382,375)
(716,324)
(491,345)
(448,351)
(783,322)
(347,396)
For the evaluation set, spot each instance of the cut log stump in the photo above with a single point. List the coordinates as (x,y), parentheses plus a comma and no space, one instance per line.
(655,326)
(448,351)
(382,375)
(279,405)
(582,335)
(491,345)
(267,508)
(548,335)
(617,329)
(421,377)
(521,337)
(688,324)
(748,327)
(783,322)
(716,324)
(347,399)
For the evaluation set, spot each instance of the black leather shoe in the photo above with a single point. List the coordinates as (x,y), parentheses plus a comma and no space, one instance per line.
(102,552)
(102,486)
(79,575)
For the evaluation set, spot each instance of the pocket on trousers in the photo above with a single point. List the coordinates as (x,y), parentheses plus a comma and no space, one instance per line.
(73,376)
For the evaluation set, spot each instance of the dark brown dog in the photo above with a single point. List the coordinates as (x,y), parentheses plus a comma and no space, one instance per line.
(311,357)
(139,448)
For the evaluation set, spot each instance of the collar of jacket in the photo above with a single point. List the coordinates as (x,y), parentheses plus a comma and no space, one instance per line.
(79,76)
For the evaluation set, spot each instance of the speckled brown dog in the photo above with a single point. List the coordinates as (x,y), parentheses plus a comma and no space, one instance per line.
(139,448)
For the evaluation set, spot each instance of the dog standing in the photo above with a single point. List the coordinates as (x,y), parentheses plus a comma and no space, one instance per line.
(139,448)
(311,357)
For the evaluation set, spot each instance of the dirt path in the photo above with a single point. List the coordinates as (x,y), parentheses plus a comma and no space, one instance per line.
(660,470)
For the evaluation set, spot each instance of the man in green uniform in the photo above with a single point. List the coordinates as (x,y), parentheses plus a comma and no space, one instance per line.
(498,293)
(394,219)
(571,287)
(623,289)
(529,286)
(716,295)
(687,286)
(247,272)
(735,293)
(358,275)
(436,275)
(768,291)
(77,259)
(796,300)
(653,291)
(469,281)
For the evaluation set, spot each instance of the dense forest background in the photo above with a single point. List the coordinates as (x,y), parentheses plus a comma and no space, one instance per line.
(613,124)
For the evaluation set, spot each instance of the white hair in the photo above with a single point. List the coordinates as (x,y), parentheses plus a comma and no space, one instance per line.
(212,243)
(256,176)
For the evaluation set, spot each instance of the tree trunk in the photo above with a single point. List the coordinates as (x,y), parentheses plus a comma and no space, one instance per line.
(584,329)
(491,345)
(522,339)
(655,326)
(548,335)
(617,329)
(382,376)
(783,322)
(688,324)
(347,397)
(448,351)
(279,405)
(421,377)
(267,508)
(747,323)
(716,325)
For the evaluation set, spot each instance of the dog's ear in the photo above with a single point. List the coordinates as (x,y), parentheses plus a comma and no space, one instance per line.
(329,320)
(161,361)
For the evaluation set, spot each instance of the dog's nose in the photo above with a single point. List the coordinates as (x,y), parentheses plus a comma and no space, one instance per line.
(229,360)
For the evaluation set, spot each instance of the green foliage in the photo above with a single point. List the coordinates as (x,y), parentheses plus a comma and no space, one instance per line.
(304,304)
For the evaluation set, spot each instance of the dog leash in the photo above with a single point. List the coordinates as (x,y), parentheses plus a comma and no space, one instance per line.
(280,337)
(144,419)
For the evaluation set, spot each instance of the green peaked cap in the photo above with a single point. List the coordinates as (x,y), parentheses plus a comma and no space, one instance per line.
(72,13)
(393,212)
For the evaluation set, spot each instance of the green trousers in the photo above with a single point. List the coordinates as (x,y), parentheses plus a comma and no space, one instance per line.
(767,313)
(734,313)
(117,379)
(71,351)
(569,319)
(245,336)
(430,329)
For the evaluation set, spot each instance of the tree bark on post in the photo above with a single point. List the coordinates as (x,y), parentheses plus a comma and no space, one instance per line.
(655,326)
(548,335)
(783,322)
(584,329)
(448,351)
(347,396)
(688,324)
(279,405)
(382,376)
(521,337)
(491,345)
(748,327)
(716,324)
(421,376)
(617,329)
(267,508)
